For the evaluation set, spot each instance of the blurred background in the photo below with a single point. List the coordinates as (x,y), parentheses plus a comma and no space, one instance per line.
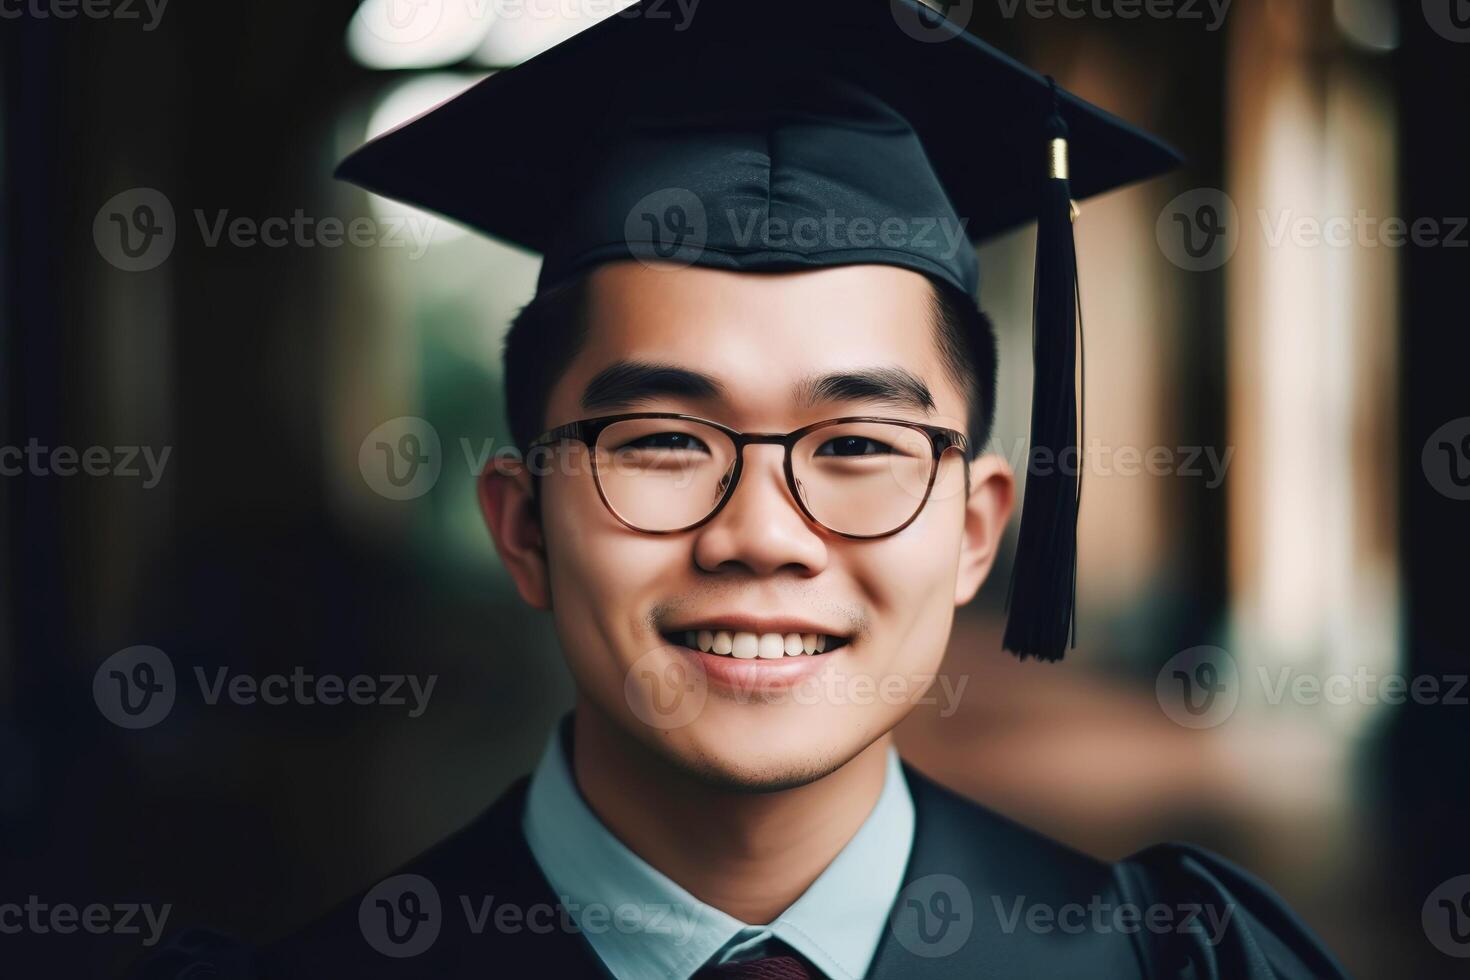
(1277,421)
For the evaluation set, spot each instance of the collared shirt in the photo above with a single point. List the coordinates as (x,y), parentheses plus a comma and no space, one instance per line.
(644,926)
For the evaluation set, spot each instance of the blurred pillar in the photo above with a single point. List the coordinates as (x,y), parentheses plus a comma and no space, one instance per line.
(1312,334)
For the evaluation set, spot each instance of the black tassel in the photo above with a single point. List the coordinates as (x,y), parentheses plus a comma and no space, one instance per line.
(1043,582)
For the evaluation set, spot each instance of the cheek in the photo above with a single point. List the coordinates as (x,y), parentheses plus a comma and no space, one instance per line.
(908,581)
(604,577)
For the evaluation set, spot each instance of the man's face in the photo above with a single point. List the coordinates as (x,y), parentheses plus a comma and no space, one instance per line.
(625,602)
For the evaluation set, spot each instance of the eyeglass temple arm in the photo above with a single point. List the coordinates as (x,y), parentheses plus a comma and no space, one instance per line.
(945,439)
(577,431)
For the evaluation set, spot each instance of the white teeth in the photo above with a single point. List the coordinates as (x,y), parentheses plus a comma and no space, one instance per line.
(748,645)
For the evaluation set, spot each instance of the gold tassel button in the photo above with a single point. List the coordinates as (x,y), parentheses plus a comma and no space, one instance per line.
(1058,167)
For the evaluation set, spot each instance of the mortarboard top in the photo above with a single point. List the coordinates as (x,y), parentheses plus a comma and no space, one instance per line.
(705,139)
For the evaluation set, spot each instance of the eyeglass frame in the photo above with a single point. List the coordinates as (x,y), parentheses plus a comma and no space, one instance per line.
(587,431)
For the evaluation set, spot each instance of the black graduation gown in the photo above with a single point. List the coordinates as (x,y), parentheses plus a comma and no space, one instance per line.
(983,897)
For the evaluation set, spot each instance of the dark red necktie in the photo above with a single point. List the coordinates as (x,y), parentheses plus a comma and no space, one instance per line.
(787,966)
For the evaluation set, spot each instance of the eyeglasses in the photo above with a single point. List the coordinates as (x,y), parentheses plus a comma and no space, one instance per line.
(859,477)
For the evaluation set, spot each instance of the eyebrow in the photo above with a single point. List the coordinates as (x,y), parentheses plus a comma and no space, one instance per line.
(628,383)
(887,386)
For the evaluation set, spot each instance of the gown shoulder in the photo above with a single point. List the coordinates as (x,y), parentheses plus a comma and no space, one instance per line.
(1036,907)
(1239,928)
(1172,911)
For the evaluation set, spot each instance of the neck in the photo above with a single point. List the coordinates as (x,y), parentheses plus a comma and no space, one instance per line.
(748,854)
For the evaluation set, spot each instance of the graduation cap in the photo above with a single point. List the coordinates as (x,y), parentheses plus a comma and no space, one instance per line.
(769,135)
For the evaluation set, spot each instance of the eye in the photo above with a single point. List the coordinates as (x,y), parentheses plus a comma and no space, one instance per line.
(853,446)
(685,441)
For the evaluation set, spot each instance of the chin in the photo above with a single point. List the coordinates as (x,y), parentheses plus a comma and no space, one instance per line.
(751,725)
(755,748)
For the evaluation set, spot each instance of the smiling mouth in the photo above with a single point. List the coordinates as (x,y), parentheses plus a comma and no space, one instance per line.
(747,645)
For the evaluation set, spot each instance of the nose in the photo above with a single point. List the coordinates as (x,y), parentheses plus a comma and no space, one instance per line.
(760,528)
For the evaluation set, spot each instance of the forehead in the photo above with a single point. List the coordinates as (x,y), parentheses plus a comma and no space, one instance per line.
(763,337)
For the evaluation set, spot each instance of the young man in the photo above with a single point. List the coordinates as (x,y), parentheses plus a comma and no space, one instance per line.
(752,390)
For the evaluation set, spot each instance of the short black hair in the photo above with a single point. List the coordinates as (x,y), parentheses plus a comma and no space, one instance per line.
(549,330)
(966,340)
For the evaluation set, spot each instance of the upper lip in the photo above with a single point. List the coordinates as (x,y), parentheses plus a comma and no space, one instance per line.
(741,622)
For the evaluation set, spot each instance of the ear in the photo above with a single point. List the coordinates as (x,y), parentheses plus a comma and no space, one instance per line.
(988,508)
(509,507)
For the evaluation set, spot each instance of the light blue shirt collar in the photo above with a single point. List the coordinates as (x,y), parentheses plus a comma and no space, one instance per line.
(644,926)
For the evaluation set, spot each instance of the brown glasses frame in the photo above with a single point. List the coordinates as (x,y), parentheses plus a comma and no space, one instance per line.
(588,431)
